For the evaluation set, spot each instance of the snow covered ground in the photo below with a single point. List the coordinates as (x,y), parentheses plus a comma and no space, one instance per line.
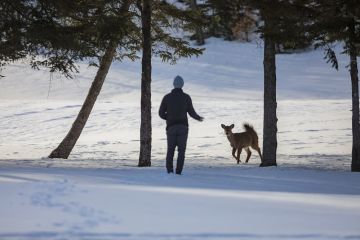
(208,203)
(98,193)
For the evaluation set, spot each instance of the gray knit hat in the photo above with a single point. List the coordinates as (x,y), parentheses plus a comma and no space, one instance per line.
(178,82)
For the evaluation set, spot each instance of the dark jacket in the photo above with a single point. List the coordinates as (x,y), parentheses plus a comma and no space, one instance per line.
(175,106)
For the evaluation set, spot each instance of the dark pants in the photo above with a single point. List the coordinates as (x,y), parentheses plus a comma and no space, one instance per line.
(176,137)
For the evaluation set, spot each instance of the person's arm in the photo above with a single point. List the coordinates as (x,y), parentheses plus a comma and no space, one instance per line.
(192,112)
(162,109)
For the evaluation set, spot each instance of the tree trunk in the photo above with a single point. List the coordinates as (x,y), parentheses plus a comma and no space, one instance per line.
(270,119)
(355,162)
(199,33)
(66,146)
(145,126)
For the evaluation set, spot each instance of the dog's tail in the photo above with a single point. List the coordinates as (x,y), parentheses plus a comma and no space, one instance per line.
(250,129)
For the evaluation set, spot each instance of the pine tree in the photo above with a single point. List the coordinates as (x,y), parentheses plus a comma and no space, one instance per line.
(145,125)
(270,104)
(111,36)
(119,30)
(62,33)
(158,17)
(282,22)
(339,21)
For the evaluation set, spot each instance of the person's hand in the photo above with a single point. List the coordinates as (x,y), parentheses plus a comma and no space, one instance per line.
(201,119)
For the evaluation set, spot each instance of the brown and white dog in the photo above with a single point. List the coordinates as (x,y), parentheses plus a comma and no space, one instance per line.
(245,140)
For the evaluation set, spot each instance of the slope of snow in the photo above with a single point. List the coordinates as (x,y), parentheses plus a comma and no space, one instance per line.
(217,203)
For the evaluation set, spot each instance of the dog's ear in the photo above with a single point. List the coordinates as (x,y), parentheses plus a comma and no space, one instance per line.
(223,126)
(232,126)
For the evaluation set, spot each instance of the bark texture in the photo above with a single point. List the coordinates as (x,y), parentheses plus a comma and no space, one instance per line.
(65,147)
(145,125)
(270,105)
(355,162)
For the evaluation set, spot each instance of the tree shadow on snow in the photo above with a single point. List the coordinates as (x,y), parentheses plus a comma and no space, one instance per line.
(190,236)
(246,178)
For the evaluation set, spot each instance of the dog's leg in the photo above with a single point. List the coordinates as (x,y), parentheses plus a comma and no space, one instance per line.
(238,155)
(258,150)
(233,152)
(248,154)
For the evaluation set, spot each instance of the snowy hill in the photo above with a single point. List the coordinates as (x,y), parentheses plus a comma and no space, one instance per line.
(147,204)
(98,193)
(226,85)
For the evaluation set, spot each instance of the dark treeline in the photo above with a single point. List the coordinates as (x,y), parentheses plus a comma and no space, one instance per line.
(64,32)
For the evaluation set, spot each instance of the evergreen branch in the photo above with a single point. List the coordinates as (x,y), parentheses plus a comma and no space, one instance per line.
(330,57)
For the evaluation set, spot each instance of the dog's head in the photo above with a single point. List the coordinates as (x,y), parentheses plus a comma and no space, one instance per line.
(227,129)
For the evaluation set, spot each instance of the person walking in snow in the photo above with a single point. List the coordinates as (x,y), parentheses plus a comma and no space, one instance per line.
(174,108)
